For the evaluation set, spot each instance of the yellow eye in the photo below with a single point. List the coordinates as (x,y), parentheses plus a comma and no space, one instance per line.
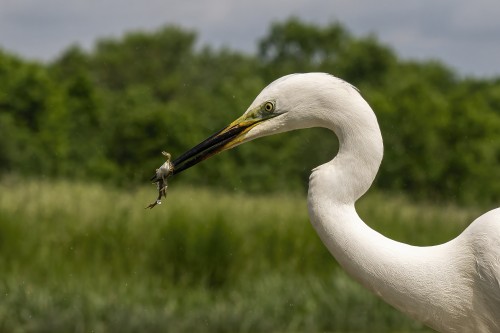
(269,107)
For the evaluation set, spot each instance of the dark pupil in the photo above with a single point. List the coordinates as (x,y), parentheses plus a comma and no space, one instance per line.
(268,107)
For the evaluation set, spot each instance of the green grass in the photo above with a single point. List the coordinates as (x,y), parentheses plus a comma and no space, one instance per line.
(77,257)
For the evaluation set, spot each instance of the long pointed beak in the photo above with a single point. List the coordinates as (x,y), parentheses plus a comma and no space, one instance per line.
(224,139)
(228,137)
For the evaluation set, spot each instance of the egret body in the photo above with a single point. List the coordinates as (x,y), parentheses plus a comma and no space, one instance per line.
(453,287)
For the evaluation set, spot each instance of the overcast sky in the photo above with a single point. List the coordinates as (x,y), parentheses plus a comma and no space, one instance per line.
(465,34)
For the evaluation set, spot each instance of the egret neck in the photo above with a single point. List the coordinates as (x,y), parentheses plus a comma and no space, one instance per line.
(401,274)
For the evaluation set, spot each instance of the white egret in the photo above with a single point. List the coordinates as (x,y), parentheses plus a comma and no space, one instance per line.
(453,287)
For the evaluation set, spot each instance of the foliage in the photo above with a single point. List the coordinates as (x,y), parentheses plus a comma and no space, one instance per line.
(83,257)
(107,114)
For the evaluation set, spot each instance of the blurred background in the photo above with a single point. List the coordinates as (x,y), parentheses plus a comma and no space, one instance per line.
(92,92)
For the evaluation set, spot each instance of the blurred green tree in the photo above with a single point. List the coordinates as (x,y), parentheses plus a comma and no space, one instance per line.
(108,113)
(33,119)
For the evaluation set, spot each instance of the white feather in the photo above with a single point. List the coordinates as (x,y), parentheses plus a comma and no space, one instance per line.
(453,287)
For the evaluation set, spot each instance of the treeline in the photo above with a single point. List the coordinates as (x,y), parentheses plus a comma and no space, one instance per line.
(107,114)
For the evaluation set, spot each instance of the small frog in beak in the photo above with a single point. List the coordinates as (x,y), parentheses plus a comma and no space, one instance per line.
(160,178)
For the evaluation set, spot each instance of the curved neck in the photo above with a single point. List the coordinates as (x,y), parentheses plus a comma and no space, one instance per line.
(407,277)
(351,173)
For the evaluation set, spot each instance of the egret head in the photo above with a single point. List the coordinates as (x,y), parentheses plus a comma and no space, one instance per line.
(291,102)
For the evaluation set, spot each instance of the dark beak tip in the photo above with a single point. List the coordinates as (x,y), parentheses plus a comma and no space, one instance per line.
(210,146)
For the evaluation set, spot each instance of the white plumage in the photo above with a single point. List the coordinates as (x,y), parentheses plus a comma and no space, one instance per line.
(453,287)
